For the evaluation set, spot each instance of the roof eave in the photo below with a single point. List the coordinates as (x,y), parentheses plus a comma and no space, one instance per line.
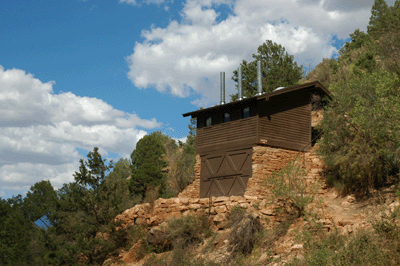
(265,96)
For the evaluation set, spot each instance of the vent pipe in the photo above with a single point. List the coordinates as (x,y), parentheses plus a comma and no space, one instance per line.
(222,86)
(240,83)
(259,78)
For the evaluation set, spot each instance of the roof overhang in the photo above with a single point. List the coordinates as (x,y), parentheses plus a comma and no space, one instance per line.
(265,97)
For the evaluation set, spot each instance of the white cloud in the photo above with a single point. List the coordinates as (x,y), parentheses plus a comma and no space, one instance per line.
(186,57)
(183,140)
(40,131)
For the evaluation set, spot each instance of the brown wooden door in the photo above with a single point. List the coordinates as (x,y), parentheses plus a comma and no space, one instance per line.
(225,173)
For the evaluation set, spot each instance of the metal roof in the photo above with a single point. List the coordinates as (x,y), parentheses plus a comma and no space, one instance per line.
(265,97)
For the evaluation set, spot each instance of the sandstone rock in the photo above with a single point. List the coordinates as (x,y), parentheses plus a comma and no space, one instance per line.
(345,222)
(268,212)
(140,221)
(348,229)
(183,208)
(296,247)
(230,205)
(220,209)
(244,205)
(173,214)
(251,198)
(235,198)
(157,237)
(184,201)
(345,203)
(160,201)
(194,201)
(221,239)
(204,201)
(219,218)
(219,199)
(133,254)
(194,206)
(200,211)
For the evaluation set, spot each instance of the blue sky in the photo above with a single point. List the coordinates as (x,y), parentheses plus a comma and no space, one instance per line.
(83,73)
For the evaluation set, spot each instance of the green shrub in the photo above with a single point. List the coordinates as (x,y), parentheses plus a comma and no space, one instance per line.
(137,234)
(179,257)
(290,183)
(379,247)
(245,227)
(187,231)
(361,132)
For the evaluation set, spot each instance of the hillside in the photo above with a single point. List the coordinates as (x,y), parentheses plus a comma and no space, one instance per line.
(281,240)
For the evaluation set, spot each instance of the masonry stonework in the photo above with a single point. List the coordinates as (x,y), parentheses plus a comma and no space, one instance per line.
(266,160)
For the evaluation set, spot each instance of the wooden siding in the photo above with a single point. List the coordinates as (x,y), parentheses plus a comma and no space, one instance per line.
(285,121)
(232,131)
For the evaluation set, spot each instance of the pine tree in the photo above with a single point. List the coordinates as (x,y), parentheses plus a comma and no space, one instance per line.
(278,70)
(147,162)
(96,174)
(380,18)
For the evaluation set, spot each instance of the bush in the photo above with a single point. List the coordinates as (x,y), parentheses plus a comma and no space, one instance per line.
(179,257)
(244,231)
(290,183)
(361,138)
(379,247)
(187,231)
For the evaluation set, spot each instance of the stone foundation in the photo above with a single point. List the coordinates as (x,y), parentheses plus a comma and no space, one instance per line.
(266,160)
(257,196)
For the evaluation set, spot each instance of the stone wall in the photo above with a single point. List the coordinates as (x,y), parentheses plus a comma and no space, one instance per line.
(217,207)
(265,161)
(257,196)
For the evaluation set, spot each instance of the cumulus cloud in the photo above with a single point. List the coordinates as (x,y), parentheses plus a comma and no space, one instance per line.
(186,57)
(40,131)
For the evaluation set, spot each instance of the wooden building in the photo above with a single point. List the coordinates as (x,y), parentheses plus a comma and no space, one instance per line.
(227,133)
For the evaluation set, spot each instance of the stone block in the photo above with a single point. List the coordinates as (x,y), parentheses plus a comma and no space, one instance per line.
(235,198)
(204,201)
(185,201)
(194,201)
(231,205)
(140,221)
(183,208)
(219,218)
(220,199)
(244,205)
(194,206)
(251,198)
(268,212)
(221,209)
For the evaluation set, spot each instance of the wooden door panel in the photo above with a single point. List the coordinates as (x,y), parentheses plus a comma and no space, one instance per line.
(225,173)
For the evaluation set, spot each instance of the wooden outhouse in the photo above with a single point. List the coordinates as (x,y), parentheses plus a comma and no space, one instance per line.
(227,133)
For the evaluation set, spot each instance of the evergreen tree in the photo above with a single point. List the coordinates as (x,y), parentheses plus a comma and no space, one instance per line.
(40,200)
(84,230)
(187,159)
(96,174)
(380,18)
(278,70)
(357,40)
(16,232)
(147,163)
